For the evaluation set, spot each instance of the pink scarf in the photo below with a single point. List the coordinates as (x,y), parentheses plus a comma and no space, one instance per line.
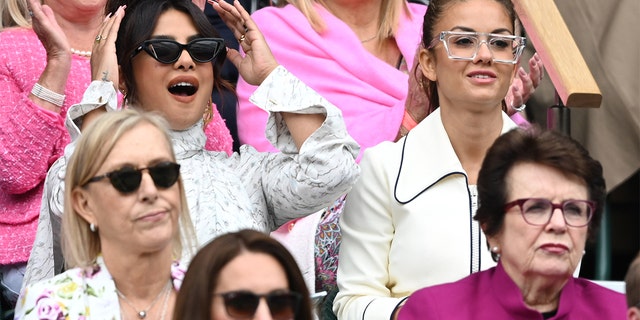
(370,92)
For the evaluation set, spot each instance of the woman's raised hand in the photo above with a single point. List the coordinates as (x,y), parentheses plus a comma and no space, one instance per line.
(104,62)
(258,61)
(524,84)
(44,24)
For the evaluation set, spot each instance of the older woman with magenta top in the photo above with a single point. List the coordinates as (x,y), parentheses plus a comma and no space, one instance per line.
(408,223)
(172,71)
(225,282)
(541,197)
(125,218)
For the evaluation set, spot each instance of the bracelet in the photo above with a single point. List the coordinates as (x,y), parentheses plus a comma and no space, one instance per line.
(47,95)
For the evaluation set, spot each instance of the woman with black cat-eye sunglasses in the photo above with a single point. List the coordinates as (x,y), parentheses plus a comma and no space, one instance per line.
(172,71)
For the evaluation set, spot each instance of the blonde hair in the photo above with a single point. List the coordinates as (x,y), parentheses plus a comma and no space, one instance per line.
(80,246)
(387,22)
(14,13)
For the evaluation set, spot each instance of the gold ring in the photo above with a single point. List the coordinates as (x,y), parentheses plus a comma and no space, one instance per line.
(242,37)
(98,38)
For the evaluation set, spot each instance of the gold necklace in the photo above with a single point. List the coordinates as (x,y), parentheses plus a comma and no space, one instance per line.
(367,40)
(143,313)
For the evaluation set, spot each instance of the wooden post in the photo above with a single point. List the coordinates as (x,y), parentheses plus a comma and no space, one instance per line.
(562,60)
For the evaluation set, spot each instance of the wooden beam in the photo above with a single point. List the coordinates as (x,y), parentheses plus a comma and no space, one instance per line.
(561,57)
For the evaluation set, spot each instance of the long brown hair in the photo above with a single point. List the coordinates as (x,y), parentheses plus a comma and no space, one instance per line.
(196,293)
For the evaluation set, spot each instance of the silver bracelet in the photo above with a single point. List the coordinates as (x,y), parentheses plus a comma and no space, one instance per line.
(47,95)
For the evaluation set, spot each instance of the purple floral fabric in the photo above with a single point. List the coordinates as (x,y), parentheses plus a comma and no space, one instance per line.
(327,247)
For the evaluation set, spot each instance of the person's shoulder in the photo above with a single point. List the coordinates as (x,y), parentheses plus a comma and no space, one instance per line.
(273,12)
(596,299)
(589,288)
(447,298)
(16,40)
(417,7)
(384,150)
(15,34)
(49,287)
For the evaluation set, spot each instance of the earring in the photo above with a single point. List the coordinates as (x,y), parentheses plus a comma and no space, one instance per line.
(495,251)
(124,100)
(208,113)
(93,227)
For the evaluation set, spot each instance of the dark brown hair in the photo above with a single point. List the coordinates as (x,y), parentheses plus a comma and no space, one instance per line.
(435,11)
(196,292)
(137,26)
(543,147)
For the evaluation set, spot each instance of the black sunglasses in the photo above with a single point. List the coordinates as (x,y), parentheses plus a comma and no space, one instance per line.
(127,179)
(168,51)
(243,304)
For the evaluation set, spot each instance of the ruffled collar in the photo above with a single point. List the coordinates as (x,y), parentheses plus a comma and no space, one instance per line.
(188,142)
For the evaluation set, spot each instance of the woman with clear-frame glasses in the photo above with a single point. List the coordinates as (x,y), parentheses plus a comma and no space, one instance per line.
(408,222)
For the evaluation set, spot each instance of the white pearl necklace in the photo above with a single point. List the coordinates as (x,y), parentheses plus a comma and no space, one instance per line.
(81,53)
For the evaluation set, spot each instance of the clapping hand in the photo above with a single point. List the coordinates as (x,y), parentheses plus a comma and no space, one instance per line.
(524,84)
(104,62)
(44,24)
(258,61)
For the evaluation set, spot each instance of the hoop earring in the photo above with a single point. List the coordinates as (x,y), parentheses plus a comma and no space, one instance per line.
(208,113)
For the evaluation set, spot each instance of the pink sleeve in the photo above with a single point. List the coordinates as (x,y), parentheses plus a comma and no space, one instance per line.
(31,138)
(520,120)
(218,135)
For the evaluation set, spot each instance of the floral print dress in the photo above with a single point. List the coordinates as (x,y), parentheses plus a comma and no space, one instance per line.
(78,293)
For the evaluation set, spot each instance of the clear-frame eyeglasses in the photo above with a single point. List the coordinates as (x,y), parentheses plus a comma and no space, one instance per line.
(538,211)
(462,45)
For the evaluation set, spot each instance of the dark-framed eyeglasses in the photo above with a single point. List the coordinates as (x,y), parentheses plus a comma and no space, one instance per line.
(128,179)
(462,45)
(168,51)
(283,305)
(538,211)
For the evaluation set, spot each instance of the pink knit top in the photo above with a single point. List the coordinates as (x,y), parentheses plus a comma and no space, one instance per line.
(32,138)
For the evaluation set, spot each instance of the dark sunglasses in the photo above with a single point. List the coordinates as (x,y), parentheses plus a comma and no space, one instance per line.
(168,51)
(127,179)
(243,304)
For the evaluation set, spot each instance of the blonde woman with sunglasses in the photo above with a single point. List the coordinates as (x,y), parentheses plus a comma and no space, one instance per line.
(172,71)
(125,221)
(45,49)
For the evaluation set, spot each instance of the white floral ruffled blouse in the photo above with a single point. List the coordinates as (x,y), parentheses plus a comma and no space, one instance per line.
(249,189)
(78,293)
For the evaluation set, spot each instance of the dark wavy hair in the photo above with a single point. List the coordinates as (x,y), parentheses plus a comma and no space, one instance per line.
(196,293)
(433,15)
(137,26)
(543,147)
